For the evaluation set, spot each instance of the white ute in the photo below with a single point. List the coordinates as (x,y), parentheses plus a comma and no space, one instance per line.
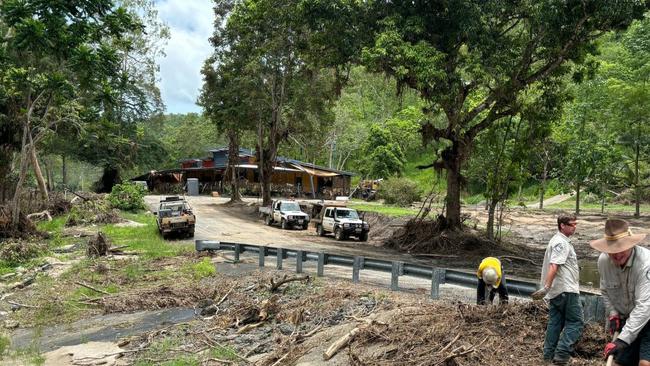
(286,213)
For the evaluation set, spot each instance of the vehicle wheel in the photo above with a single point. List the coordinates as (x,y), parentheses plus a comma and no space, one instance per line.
(283,224)
(319,230)
(338,234)
(305,226)
(363,237)
(190,234)
(268,220)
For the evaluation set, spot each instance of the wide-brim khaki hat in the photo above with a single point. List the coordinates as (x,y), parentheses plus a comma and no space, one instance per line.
(618,237)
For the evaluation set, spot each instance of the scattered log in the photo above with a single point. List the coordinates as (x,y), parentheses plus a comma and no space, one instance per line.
(40,215)
(23,305)
(91,288)
(225,296)
(340,343)
(345,340)
(274,286)
(248,327)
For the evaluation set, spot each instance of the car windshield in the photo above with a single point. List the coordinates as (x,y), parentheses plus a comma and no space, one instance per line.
(290,206)
(346,214)
(172,209)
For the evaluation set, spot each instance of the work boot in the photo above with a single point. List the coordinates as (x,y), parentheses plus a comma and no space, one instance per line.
(561,361)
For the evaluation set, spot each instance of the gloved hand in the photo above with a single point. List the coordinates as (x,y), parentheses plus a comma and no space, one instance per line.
(614,324)
(614,348)
(539,294)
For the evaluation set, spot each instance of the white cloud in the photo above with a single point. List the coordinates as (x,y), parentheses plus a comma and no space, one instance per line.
(191,25)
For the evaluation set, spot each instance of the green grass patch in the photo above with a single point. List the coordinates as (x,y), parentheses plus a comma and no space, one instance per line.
(4,344)
(223,353)
(56,225)
(387,210)
(204,268)
(145,239)
(570,205)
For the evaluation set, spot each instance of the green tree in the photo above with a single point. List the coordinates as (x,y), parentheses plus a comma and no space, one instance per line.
(52,54)
(471,61)
(262,49)
(383,156)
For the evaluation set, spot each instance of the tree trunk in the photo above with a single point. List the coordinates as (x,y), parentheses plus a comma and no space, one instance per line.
(577,198)
(453,163)
(42,187)
(490,222)
(542,189)
(233,161)
(110,177)
(603,193)
(64,171)
(637,188)
(24,156)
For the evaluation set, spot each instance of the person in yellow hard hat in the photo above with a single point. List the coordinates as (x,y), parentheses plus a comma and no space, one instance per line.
(491,279)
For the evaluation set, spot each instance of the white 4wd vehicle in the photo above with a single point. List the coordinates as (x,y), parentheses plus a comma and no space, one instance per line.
(343,222)
(286,213)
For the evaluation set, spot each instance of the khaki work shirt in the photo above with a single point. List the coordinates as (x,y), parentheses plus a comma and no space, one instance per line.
(626,291)
(560,251)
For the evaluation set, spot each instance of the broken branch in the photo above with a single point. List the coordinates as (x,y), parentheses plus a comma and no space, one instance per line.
(91,288)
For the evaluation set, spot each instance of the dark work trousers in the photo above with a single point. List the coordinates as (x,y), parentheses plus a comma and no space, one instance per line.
(565,324)
(502,290)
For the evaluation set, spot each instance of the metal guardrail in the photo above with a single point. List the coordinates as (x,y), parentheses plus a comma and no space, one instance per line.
(594,309)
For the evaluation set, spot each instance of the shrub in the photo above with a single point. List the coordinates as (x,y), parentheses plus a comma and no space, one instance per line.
(127,196)
(399,191)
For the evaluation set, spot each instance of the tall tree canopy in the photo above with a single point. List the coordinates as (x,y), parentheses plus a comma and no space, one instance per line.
(54,57)
(472,61)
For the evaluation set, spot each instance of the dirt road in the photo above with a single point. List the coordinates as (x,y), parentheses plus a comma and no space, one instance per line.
(216,221)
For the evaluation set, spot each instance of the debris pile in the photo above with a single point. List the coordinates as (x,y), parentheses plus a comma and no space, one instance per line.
(17,250)
(92,211)
(439,334)
(433,236)
(24,229)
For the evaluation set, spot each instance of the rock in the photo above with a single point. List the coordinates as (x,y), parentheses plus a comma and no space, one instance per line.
(20,270)
(3,313)
(209,310)
(286,329)
(11,324)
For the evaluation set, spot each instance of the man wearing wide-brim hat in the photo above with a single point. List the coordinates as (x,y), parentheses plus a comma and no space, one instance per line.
(624,271)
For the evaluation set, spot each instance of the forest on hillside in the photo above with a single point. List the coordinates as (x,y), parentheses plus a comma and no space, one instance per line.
(500,102)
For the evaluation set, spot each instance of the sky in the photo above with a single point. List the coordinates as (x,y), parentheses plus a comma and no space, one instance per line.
(190,25)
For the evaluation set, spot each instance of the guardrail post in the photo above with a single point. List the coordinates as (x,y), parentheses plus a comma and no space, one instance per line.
(437,278)
(279,258)
(237,251)
(261,254)
(321,264)
(396,271)
(299,259)
(356,267)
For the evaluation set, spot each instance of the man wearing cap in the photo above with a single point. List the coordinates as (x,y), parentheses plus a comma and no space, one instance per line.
(560,288)
(625,284)
(491,276)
